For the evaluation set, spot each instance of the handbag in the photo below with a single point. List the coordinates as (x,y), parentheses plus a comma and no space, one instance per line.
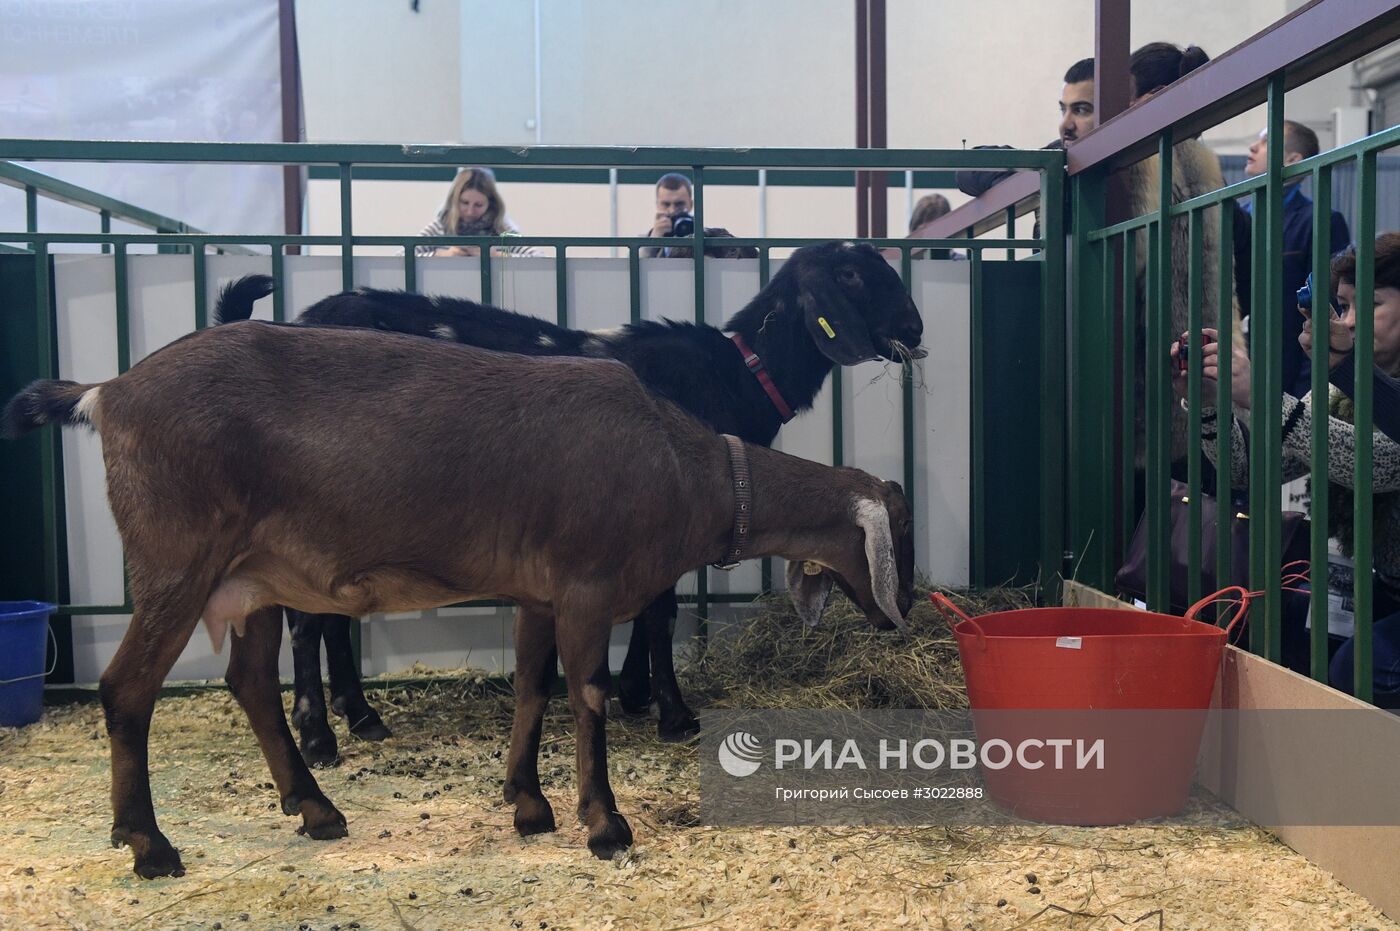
(1131,578)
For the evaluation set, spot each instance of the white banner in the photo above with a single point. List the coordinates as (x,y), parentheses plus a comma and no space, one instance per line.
(161,70)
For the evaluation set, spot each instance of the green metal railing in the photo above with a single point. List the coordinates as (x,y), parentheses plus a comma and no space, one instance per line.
(347,162)
(1093,533)
(36,185)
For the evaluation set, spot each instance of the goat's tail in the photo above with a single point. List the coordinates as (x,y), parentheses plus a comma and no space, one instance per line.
(236,298)
(47,401)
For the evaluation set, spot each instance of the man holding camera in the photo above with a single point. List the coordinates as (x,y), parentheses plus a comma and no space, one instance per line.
(675,219)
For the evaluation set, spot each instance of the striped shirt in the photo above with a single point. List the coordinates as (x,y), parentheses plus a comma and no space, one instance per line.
(435,228)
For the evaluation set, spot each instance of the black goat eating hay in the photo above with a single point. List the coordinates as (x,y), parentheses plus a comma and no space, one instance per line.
(832,303)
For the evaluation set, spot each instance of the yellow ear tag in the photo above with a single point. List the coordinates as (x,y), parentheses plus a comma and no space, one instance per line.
(811,568)
(826,328)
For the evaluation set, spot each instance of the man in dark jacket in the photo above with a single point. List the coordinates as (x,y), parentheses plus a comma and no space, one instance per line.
(1299,142)
(1076,118)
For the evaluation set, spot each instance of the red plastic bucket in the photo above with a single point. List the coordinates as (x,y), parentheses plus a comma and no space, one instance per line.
(1140,681)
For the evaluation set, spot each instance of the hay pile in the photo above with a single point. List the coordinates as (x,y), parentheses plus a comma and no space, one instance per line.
(431,843)
(774,661)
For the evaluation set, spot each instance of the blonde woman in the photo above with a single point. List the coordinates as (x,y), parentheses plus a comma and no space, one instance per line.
(473,208)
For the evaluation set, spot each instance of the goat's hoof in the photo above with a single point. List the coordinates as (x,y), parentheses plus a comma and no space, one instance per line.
(533,815)
(371,727)
(634,698)
(318,747)
(612,837)
(677,731)
(154,856)
(320,820)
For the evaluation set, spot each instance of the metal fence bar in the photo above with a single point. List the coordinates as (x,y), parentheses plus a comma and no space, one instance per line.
(55,538)
(1272,411)
(1196,287)
(1158,435)
(347,240)
(978,431)
(1128,424)
(201,288)
(1318,504)
(1224,420)
(765,274)
(911,491)
(279,277)
(561,287)
(1259,493)
(1052,380)
(702,575)
(1362,551)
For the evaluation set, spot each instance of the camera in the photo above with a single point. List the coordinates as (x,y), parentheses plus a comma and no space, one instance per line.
(682,224)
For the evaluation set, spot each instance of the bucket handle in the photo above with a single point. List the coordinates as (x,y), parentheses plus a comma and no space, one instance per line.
(1207,601)
(953,613)
(46,673)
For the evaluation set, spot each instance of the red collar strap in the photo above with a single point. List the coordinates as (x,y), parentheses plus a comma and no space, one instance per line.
(755,365)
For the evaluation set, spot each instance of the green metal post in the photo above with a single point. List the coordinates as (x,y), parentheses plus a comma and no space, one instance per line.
(410,268)
(1321,311)
(978,433)
(123,306)
(1052,380)
(201,287)
(1128,426)
(1260,494)
(1225,302)
(702,575)
(561,286)
(279,286)
(1196,250)
(486,276)
(1092,387)
(347,276)
(911,490)
(31,209)
(1362,549)
(55,543)
(105,225)
(1157,416)
(1271,411)
(764,274)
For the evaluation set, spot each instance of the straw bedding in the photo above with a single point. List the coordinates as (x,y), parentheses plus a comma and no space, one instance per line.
(432,846)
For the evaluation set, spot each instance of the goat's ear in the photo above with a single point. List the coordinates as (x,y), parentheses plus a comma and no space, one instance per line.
(809,592)
(833,320)
(874,520)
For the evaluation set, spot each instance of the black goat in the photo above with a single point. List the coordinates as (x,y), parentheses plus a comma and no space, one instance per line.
(835,302)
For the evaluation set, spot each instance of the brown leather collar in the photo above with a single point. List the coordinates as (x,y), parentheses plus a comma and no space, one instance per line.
(755,365)
(743,503)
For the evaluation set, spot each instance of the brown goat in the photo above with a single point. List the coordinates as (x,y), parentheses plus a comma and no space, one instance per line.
(255,465)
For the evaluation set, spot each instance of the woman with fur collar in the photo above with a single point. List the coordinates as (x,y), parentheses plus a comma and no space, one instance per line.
(1195,171)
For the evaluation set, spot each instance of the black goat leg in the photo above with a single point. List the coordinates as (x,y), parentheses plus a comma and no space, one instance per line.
(347,693)
(677,722)
(634,682)
(318,746)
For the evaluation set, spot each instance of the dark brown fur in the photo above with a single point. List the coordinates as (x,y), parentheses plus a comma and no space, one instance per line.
(345,471)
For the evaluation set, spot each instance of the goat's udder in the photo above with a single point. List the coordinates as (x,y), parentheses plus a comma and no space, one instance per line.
(230,604)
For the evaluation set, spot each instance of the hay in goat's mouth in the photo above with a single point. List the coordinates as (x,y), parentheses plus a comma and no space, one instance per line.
(773,661)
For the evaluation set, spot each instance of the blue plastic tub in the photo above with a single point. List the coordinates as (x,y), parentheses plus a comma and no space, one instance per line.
(24,628)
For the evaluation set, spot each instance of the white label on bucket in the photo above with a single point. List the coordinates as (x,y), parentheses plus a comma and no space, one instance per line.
(1069,643)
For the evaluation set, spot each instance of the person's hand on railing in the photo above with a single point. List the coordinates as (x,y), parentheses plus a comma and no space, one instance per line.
(1210,369)
(1340,339)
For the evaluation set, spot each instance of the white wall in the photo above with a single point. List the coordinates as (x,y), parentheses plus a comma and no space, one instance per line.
(726,73)
(161,295)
